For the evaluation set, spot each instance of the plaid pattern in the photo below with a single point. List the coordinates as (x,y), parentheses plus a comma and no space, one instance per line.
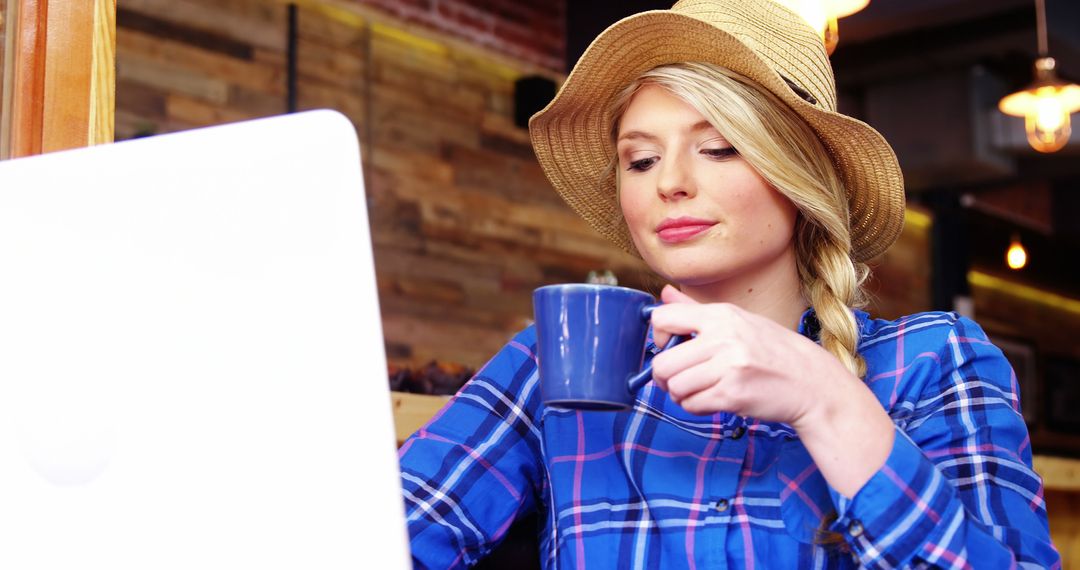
(656,487)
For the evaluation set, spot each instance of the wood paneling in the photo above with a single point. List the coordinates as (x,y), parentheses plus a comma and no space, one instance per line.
(179,67)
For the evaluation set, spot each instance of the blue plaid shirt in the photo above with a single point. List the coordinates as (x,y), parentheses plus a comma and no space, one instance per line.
(657,487)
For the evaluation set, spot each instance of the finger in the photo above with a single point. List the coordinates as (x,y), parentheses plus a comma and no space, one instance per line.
(669,295)
(683,318)
(673,361)
(660,337)
(708,401)
(661,333)
(693,380)
(672,295)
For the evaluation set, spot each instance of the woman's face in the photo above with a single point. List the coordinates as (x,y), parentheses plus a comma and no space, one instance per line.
(697,212)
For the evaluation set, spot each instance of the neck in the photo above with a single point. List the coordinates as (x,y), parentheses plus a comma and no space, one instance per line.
(772,291)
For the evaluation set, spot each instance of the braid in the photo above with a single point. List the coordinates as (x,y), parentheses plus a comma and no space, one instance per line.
(832,283)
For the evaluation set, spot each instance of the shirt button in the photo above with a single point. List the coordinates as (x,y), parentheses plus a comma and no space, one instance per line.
(855,528)
(722,505)
(738,432)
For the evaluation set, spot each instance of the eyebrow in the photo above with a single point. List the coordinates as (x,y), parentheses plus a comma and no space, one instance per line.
(699,126)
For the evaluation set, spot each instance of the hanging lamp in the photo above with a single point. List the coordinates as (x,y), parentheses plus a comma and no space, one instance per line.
(1048,101)
(822,15)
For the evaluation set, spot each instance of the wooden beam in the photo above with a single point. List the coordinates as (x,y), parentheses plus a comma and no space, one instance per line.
(60,90)
(68,57)
(24,84)
(103,74)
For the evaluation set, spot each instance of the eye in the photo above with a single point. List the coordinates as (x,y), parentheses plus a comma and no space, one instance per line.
(641,165)
(720,153)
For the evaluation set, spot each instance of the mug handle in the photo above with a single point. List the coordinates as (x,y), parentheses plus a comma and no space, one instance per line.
(635,382)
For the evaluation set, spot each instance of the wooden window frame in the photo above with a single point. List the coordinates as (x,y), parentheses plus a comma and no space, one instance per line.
(59,88)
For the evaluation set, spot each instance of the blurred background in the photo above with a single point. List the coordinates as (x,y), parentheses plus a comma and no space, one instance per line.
(465,225)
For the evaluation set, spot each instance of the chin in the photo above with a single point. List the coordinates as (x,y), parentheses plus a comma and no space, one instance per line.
(695,279)
(693,270)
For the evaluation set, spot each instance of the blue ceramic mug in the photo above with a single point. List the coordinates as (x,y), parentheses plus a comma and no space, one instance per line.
(591,344)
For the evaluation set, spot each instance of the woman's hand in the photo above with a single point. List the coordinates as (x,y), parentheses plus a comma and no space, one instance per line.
(741,362)
(749,365)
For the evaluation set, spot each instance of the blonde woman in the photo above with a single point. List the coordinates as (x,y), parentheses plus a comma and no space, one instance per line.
(792,430)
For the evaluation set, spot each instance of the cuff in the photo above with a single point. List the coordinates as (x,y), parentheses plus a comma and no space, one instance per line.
(900,509)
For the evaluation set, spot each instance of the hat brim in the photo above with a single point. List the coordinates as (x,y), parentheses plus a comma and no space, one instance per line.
(571,136)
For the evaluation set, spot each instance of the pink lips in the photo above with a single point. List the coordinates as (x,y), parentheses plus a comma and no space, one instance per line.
(678,230)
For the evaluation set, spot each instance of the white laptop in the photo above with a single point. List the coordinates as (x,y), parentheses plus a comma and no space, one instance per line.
(191,358)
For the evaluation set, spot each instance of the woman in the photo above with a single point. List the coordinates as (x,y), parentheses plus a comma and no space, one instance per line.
(792,430)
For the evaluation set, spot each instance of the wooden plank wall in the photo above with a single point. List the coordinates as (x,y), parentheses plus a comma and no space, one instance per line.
(464,223)
(188,64)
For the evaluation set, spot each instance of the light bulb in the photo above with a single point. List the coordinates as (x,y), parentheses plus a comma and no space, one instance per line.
(1016,257)
(813,11)
(822,16)
(1049,113)
(1047,122)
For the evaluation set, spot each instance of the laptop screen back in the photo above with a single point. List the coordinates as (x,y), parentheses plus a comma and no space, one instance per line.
(191,358)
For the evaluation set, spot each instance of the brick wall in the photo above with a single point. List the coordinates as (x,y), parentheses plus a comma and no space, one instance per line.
(532,31)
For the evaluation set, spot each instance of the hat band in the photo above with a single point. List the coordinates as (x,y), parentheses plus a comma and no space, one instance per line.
(802,93)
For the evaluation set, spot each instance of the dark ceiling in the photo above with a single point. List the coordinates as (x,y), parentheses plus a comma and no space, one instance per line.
(887,20)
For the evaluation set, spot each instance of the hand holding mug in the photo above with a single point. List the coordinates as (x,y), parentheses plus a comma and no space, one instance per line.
(744,363)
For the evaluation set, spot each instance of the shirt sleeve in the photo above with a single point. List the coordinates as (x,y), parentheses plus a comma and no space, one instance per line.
(957,489)
(476,466)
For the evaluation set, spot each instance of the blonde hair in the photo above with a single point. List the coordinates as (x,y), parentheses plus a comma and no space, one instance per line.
(787,153)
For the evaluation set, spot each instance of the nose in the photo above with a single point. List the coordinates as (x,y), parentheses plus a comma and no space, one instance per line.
(675,180)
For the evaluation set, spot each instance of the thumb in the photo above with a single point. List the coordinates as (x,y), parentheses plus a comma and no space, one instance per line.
(669,295)
(672,295)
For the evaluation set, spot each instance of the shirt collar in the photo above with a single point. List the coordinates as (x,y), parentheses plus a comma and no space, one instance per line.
(810,327)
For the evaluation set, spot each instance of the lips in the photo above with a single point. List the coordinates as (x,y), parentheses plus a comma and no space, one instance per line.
(678,230)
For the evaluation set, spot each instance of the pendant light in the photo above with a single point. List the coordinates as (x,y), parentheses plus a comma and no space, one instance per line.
(822,15)
(1016,257)
(1047,102)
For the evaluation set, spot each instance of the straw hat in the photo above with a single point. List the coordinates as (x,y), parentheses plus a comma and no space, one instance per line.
(759,39)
